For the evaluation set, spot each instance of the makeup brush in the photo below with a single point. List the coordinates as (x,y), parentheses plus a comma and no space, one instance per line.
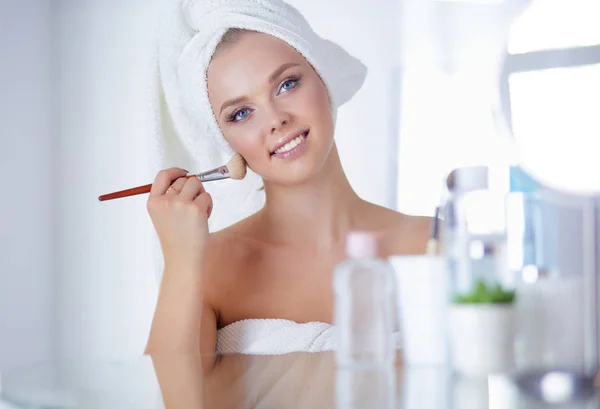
(235,169)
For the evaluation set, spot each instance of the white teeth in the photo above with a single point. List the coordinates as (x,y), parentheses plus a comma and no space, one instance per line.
(291,145)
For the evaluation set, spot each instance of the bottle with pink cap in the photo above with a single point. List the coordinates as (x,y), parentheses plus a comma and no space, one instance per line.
(364,289)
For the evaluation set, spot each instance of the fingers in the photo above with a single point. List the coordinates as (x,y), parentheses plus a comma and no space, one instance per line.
(192,188)
(204,200)
(176,187)
(173,183)
(164,179)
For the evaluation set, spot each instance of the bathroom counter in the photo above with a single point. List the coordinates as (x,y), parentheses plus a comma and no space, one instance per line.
(299,380)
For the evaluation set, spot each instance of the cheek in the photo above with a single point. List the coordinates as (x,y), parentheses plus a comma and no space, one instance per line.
(319,104)
(245,140)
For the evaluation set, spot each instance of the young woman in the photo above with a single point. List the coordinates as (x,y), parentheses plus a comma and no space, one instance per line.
(270,274)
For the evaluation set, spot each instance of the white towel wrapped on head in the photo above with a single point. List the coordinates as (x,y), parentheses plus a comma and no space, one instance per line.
(186,132)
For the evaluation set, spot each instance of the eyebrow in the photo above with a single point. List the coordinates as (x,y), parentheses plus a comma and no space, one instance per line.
(272,78)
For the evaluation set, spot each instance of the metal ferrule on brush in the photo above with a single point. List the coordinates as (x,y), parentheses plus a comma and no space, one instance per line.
(215,174)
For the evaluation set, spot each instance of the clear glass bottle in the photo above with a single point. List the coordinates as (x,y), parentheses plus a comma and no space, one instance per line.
(364,312)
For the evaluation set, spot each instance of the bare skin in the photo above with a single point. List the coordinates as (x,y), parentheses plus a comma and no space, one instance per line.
(279,262)
(298,380)
(242,381)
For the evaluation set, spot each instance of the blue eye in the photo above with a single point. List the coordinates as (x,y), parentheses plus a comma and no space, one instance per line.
(289,84)
(240,115)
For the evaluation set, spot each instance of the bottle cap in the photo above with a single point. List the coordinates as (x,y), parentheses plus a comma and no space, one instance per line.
(361,244)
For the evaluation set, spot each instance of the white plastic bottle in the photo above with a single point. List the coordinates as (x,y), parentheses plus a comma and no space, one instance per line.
(364,312)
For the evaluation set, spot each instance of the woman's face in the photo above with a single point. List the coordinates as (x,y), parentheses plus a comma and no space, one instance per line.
(272,108)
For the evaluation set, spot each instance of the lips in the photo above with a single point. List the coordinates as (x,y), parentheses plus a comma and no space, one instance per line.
(290,141)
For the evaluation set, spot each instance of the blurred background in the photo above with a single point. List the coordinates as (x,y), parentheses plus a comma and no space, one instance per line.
(77,276)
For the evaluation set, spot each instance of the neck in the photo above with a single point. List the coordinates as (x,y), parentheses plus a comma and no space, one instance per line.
(317,213)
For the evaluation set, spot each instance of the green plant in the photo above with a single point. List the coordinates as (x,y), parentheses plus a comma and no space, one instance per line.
(486,294)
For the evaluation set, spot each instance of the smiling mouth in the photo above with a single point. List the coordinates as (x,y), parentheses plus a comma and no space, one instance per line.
(291,144)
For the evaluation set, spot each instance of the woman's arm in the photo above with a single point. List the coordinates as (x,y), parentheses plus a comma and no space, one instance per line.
(178,316)
(181,380)
(179,208)
(184,320)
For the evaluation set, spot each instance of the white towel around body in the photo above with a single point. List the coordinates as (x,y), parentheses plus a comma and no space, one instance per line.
(274,337)
(279,336)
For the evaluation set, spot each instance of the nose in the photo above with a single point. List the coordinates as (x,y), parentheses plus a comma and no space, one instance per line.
(278,119)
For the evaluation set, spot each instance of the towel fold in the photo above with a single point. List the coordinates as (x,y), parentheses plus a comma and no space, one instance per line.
(279,336)
(274,337)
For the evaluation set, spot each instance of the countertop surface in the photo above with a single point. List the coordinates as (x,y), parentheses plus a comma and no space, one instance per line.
(298,380)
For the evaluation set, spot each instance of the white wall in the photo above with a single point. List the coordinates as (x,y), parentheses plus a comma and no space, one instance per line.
(107,285)
(27,275)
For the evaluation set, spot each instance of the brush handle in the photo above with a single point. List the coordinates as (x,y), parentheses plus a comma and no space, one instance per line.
(215,174)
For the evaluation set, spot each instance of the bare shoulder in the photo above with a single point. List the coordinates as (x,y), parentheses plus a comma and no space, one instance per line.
(400,233)
(226,250)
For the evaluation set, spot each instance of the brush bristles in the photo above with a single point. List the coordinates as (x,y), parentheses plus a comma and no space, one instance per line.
(237,167)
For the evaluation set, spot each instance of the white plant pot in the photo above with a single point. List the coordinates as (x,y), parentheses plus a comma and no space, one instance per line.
(482,338)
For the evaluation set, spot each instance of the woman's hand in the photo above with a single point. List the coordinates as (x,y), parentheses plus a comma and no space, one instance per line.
(179,208)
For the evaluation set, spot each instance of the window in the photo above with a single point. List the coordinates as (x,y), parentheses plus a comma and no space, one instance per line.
(550,90)
(553,101)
